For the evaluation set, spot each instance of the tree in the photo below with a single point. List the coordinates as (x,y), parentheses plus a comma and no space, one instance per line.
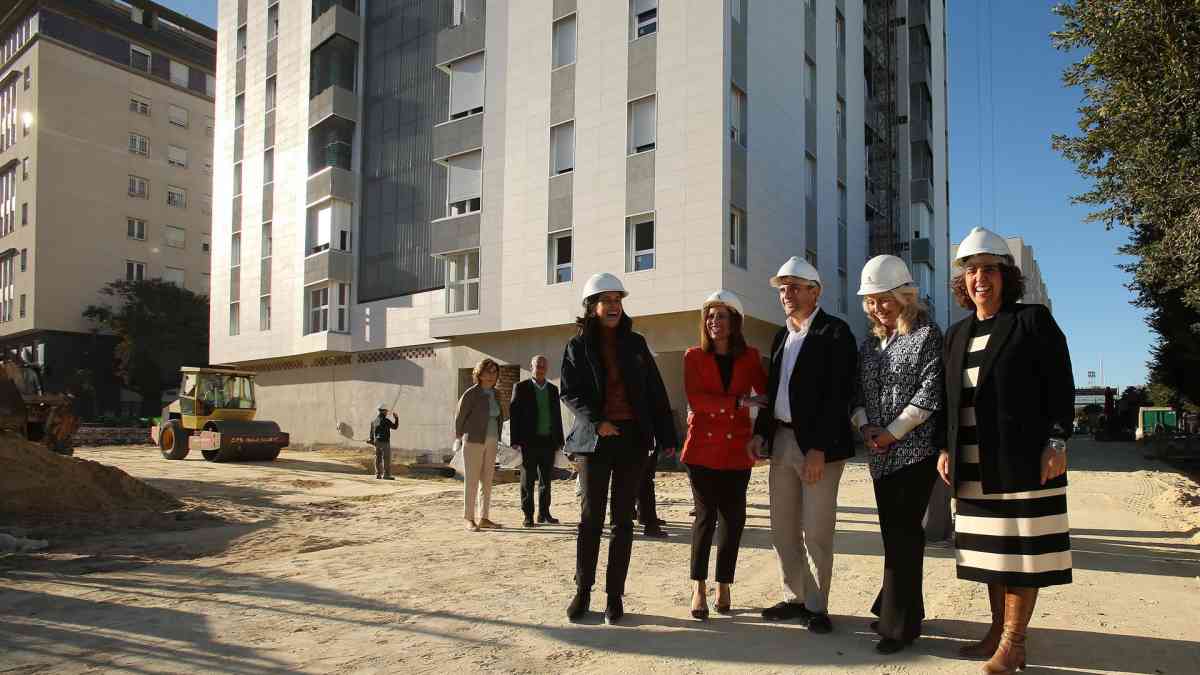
(159,327)
(1139,142)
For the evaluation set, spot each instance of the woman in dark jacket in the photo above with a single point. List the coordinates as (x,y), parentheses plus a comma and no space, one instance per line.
(724,378)
(1010,405)
(611,382)
(898,409)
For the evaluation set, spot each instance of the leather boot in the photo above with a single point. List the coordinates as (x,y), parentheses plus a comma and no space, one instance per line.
(1010,655)
(987,646)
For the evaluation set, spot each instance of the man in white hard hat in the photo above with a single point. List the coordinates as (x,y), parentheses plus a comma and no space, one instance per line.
(803,429)
(381,438)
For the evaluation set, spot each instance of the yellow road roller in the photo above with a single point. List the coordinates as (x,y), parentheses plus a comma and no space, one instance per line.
(215,414)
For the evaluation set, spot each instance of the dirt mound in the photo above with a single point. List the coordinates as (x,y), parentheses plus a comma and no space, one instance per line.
(36,481)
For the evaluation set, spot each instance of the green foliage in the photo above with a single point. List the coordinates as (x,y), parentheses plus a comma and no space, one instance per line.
(159,327)
(1139,143)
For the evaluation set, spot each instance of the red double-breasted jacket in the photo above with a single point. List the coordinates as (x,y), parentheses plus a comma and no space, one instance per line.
(717,429)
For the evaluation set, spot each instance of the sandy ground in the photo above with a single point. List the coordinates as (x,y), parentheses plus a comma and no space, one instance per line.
(317,567)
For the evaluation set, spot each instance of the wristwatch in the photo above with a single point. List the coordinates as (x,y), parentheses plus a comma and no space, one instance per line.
(1059,445)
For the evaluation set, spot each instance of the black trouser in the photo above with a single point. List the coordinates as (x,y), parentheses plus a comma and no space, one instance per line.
(719,495)
(623,458)
(647,510)
(901,498)
(537,463)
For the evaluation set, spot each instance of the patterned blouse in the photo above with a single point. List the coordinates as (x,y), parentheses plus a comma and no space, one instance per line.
(907,371)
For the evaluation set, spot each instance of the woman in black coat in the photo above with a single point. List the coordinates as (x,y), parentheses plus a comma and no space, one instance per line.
(1010,405)
(612,384)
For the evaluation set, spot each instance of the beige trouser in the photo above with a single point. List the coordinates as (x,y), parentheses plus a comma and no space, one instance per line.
(479,460)
(802,523)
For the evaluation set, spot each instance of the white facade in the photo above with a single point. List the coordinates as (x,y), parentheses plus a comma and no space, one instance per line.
(728,136)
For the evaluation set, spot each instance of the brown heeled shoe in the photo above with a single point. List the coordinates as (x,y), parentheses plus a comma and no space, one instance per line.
(991,640)
(1011,654)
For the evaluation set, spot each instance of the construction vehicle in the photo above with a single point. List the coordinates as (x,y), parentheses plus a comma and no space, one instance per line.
(27,410)
(215,414)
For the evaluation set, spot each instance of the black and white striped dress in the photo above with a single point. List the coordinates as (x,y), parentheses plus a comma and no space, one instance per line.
(1012,538)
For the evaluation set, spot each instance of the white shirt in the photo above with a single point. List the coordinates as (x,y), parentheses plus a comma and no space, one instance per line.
(791,351)
(539,386)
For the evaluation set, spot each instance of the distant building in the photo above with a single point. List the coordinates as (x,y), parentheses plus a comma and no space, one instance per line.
(1035,286)
(106,141)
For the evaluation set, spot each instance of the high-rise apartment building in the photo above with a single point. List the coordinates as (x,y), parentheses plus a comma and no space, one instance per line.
(106,135)
(403,188)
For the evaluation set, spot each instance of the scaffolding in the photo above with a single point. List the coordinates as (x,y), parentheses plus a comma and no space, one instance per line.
(882,179)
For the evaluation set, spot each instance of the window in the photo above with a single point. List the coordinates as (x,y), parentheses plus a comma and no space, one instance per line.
(210,85)
(839,34)
(737,236)
(264,310)
(22,305)
(273,22)
(176,197)
(206,204)
(28,78)
(205,282)
(177,156)
(561,265)
(235,316)
(920,220)
(135,271)
(209,125)
(564,41)
(737,114)
(239,111)
(562,148)
(207,168)
(175,237)
(645,18)
(179,74)
(735,10)
(810,81)
(462,282)
(139,187)
(466,86)
(639,236)
(267,242)
(341,317)
(206,243)
(810,165)
(235,250)
(135,228)
(241,42)
(177,115)
(318,310)
(139,144)
(268,167)
(463,178)
(457,13)
(237,179)
(811,256)
(25,169)
(328,224)
(24,259)
(641,125)
(139,105)
(839,118)
(24,213)
(139,59)
(173,275)
(923,276)
(270,94)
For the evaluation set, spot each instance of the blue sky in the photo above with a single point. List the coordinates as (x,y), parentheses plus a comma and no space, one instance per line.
(1006,46)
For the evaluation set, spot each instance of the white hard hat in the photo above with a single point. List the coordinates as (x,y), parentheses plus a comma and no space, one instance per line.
(603,282)
(884,273)
(795,267)
(723,297)
(382,405)
(981,240)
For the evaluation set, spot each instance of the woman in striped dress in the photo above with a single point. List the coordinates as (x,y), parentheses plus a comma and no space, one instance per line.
(1010,404)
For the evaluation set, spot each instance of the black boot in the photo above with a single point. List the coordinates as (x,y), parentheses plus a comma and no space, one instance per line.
(580,604)
(614,610)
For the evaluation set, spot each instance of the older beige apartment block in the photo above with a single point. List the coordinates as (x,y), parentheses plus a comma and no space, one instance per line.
(403,188)
(106,134)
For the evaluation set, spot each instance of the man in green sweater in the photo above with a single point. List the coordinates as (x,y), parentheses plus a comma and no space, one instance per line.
(536,431)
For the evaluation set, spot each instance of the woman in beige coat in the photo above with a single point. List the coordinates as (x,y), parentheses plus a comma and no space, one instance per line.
(477,422)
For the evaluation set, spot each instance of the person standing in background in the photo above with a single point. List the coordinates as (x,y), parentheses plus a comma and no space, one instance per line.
(381,438)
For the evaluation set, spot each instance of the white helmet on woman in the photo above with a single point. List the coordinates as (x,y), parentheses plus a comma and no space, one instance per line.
(723,297)
(982,240)
(795,267)
(882,274)
(603,282)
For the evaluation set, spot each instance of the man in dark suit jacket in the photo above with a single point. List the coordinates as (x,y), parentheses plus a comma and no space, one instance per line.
(536,430)
(804,430)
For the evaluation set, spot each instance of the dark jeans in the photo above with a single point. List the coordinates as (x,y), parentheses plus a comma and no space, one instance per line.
(623,458)
(720,496)
(901,498)
(647,510)
(537,463)
(383,458)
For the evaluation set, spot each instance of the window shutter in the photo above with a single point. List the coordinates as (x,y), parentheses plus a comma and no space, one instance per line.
(466,84)
(465,175)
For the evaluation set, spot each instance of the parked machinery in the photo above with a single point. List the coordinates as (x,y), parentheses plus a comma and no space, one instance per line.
(27,410)
(215,414)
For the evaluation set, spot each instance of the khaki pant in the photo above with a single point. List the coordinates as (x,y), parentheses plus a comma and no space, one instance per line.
(479,462)
(802,523)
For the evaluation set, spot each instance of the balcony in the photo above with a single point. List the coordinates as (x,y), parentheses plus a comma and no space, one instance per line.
(454,233)
(335,20)
(922,251)
(331,143)
(919,70)
(921,191)
(332,183)
(920,130)
(329,265)
(334,100)
(458,136)
(333,63)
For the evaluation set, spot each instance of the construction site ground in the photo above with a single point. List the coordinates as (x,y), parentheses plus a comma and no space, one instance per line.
(309,564)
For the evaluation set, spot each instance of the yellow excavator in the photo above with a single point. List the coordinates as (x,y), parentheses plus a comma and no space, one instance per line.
(28,411)
(215,414)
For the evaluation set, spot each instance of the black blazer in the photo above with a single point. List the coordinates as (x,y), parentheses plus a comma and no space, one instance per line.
(820,391)
(583,381)
(523,413)
(1025,394)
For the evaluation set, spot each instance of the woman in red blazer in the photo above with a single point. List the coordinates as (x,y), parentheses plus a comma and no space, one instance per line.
(724,378)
